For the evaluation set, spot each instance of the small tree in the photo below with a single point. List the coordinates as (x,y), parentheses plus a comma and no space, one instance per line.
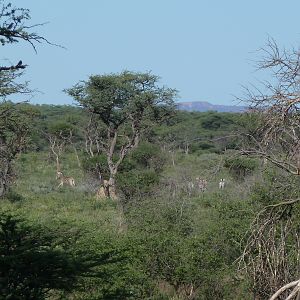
(275,110)
(126,105)
(59,136)
(271,255)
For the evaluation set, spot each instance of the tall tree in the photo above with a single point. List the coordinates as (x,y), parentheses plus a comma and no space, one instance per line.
(13,136)
(15,126)
(125,105)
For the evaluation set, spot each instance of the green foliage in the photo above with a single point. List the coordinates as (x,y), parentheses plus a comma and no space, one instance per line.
(275,187)
(149,155)
(56,119)
(176,132)
(116,98)
(12,196)
(153,245)
(137,182)
(179,253)
(140,172)
(234,217)
(32,261)
(198,132)
(91,165)
(60,128)
(37,262)
(240,167)
(214,121)
(15,125)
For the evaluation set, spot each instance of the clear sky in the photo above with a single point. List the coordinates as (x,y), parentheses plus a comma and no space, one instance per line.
(204,49)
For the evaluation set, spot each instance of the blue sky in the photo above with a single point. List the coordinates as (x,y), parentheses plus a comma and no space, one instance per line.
(205,49)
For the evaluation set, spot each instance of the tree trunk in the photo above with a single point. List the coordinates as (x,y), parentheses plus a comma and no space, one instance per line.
(2,187)
(58,169)
(4,177)
(77,156)
(173,158)
(112,187)
(187,149)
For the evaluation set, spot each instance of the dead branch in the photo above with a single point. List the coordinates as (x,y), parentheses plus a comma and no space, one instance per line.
(286,287)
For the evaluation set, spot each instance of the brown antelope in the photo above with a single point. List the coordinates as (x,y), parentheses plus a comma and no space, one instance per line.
(64,179)
(201,184)
(103,191)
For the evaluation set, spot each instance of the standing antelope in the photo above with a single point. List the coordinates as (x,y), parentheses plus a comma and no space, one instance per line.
(190,187)
(222,184)
(201,184)
(64,179)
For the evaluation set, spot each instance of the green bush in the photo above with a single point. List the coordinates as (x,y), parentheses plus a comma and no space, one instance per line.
(137,182)
(149,156)
(239,167)
(178,256)
(12,196)
(39,261)
(32,262)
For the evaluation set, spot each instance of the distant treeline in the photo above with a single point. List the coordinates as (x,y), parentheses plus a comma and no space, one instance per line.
(191,132)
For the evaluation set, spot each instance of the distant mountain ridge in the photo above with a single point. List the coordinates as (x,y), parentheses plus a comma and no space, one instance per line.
(203,106)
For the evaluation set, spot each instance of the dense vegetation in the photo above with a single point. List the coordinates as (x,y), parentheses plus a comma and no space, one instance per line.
(158,203)
(157,241)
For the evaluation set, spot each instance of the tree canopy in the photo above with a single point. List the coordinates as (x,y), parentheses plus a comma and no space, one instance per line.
(125,104)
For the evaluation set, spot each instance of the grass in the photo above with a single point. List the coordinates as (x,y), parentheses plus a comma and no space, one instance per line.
(42,201)
(36,196)
(35,192)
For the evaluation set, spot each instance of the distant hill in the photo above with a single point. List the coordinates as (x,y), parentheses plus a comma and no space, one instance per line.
(206,106)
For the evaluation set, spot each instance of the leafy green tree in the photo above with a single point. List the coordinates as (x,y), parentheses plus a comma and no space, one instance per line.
(126,105)
(13,125)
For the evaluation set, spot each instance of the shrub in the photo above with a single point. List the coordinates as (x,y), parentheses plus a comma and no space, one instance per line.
(240,167)
(137,182)
(31,262)
(37,261)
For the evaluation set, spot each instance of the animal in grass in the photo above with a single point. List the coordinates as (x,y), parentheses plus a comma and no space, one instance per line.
(222,183)
(103,191)
(64,180)
(201,184)
(190,187)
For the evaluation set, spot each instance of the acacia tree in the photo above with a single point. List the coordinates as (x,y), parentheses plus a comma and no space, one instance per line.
(125,104)
(14,121)
(272,251)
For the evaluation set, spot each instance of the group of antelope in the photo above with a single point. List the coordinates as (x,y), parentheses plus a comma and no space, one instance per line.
(189,186)
(201,185)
